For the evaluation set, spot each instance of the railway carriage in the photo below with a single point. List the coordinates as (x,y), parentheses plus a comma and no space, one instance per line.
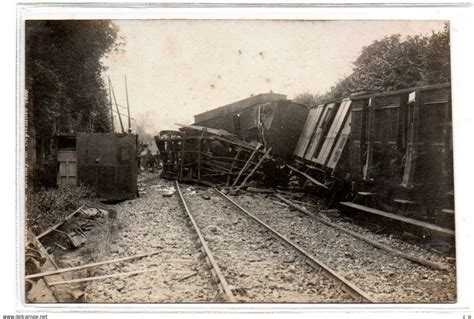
(268,118)
(392,150)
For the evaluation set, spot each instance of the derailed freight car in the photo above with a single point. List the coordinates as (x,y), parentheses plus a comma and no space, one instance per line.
(268,118)
(390,151)
(107,162)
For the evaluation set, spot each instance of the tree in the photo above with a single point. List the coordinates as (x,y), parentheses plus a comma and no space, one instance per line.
(308,99)
(393,63)
(437,61)
(66,92)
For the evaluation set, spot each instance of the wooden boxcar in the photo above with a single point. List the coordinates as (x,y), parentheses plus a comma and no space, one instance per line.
(105,161)
(267,118)
(394,147)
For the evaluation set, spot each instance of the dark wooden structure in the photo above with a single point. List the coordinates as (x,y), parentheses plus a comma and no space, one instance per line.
(392,151)
(210,157)
(105,161)
(269,119)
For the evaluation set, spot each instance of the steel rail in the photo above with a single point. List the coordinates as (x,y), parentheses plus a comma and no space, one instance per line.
(216,272)
(354,291)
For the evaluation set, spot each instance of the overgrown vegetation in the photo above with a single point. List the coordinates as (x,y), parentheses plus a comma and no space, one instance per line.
(393,63)
(52,205)
(66,91)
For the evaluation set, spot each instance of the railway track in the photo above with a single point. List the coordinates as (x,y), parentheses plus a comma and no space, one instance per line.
(386,275)
(207,254)
(250,260)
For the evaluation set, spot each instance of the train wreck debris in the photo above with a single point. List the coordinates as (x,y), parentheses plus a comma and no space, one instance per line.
(212,157)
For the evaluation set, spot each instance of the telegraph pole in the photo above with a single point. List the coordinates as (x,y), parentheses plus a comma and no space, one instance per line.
(111,109)
(128,107)
(116,105)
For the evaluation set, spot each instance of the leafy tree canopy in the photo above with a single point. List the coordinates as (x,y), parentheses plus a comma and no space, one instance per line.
(393,63)
(63,74)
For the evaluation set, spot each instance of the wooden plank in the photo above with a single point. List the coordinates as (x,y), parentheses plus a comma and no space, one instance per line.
(334,131)
(254,169)
(102,277)
(399,218)
(404,201)
(311,179)
(232,168)
(340,144)
(307,131)
(316,138)
(244,168)
(63,270)
(448,211)
(54,227)
(61,295)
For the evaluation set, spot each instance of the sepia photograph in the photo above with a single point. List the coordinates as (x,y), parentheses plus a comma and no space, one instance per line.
(201,161)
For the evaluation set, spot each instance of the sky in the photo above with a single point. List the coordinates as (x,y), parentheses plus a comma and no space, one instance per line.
(178,68)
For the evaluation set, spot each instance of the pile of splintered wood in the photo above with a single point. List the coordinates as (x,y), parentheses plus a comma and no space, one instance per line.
(210,157)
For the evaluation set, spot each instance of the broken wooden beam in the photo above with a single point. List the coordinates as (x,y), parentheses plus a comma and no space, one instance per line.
(254,169)
(260,190)
(57,225)
(100,263)
(246,165)
(403,219)
(308,177)
(60,295)
(64,282)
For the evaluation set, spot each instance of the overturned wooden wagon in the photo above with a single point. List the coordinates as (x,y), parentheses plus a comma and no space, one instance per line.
(211,157)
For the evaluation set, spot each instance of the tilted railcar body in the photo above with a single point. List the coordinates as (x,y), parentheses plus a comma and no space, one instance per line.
(269,119)
(325,135)
(395,146)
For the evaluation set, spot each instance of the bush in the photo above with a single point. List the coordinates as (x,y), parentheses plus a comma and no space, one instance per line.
(48,206)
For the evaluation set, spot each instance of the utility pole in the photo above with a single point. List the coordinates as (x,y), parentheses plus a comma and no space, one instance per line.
(128,107)
(111,109)
(116,105)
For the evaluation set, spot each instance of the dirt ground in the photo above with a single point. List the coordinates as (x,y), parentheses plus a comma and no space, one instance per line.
(257,267)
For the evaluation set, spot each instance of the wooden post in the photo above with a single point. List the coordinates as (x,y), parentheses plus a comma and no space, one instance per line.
(199,157)
(232,168)
(412,147)
(254,169)
(246,165)
(181,168)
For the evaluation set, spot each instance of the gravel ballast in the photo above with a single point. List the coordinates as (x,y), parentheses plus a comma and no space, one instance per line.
(258,267)
(149,223)
(384,276)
